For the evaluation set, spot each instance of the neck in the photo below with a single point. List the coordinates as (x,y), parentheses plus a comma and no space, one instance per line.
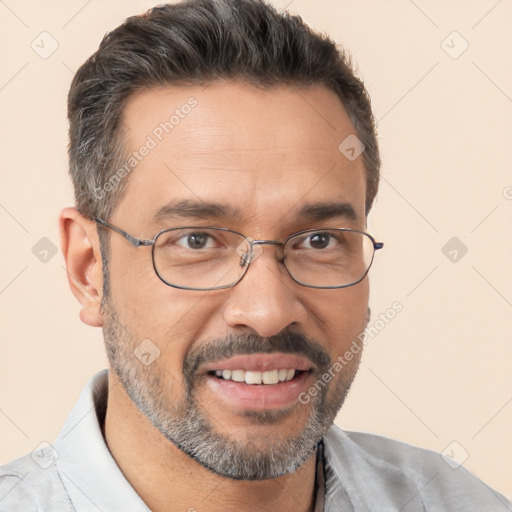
(162,474)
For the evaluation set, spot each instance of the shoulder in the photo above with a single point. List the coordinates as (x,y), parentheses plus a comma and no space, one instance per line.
(33,484)
(16,490)
(16,494)
(398,467)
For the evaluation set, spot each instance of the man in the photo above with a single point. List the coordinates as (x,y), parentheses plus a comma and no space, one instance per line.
(219,239)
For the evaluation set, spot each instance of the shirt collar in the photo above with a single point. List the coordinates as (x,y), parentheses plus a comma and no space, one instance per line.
(85,464)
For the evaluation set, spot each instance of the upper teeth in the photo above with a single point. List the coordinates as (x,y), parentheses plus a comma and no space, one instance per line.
(250,377)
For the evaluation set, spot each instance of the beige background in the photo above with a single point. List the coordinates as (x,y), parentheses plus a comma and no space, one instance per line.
(441,370)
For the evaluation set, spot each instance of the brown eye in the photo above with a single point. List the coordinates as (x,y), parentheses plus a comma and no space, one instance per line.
(195,241)
(319,240)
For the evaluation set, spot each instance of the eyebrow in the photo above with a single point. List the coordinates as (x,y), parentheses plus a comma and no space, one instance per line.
(325,211)
(187,209)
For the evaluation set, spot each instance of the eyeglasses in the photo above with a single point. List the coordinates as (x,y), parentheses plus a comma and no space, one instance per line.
(211,258)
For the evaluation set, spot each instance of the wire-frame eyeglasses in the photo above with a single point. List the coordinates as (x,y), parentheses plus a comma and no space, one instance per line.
(212,258)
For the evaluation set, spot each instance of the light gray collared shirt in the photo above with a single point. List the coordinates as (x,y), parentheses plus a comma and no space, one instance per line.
(356,472)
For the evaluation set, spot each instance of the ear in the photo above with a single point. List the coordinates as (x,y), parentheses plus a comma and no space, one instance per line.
(81,249)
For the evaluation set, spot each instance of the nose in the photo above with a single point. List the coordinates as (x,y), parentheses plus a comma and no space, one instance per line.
(266,299)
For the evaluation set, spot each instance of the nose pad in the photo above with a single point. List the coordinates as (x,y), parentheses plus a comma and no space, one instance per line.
(244,259)
(248,251)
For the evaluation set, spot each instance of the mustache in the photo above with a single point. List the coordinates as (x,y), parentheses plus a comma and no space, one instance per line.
(250,343)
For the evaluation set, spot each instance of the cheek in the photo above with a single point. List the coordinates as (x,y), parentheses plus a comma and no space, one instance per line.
(148,309)
(342,315)
(358,306)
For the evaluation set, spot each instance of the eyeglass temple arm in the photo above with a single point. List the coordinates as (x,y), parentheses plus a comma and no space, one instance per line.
(378,245)
(136,242)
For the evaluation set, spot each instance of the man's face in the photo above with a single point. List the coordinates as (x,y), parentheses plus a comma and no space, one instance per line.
(262,156)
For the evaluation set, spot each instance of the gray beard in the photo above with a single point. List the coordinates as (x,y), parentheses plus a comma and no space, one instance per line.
(187,424)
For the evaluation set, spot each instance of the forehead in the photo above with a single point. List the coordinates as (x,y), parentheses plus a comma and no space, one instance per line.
(260,154)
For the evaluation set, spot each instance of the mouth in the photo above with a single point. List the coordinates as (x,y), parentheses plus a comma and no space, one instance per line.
(259,381)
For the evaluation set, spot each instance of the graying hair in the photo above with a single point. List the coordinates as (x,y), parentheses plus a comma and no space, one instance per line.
(195,42)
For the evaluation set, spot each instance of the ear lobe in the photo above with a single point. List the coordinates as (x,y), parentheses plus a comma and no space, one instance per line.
(81,249)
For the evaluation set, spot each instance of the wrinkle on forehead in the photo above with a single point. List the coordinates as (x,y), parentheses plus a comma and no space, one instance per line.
(265,151)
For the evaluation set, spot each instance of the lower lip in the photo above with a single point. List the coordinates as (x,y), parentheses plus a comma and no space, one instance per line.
(258,397)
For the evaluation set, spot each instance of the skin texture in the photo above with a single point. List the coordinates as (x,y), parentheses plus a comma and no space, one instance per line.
(266,153)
